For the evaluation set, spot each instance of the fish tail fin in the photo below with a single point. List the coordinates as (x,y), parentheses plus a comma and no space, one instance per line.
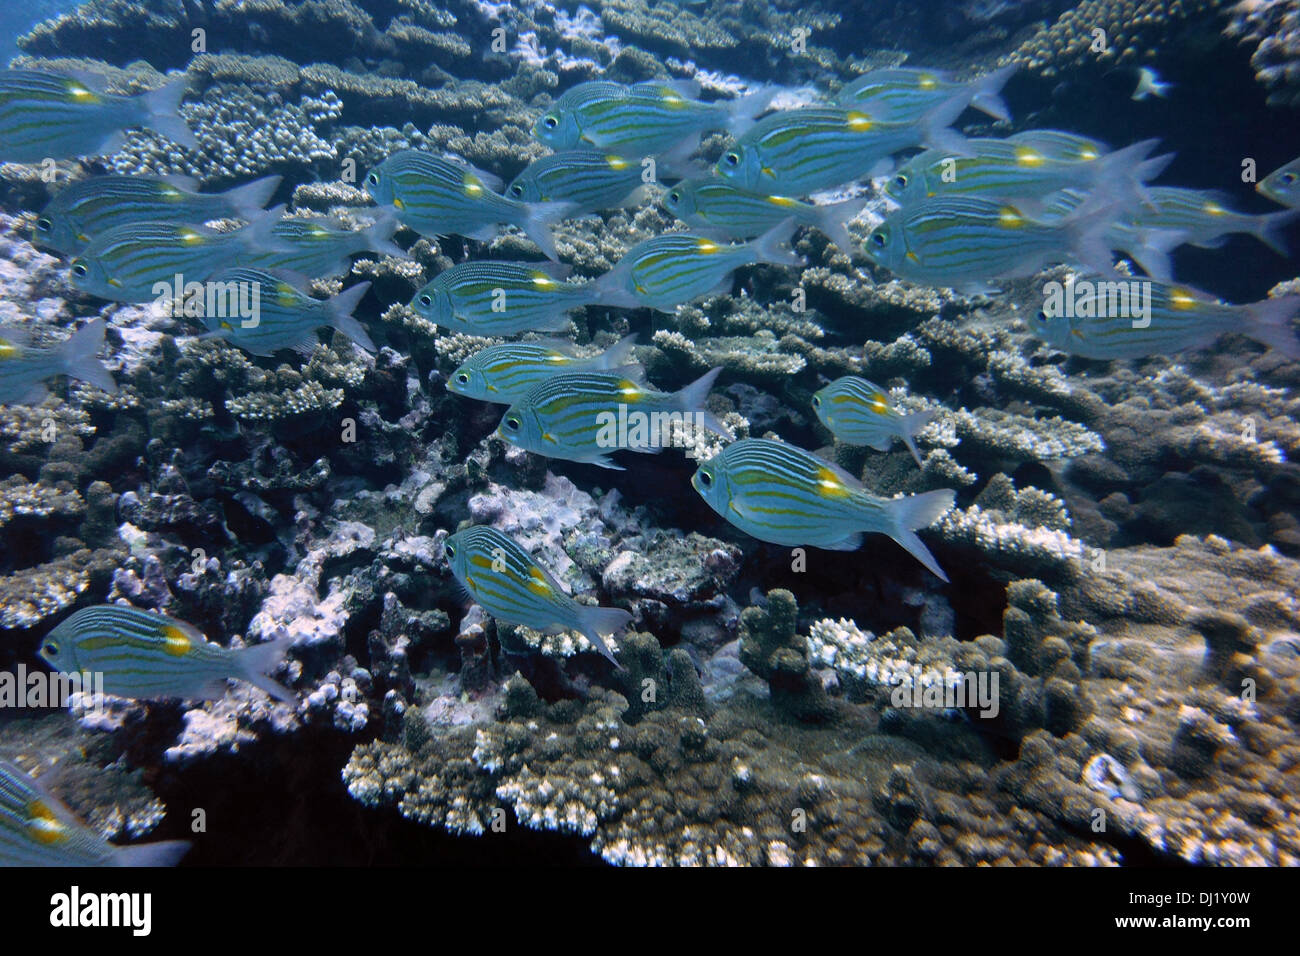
(619,355)
(771,246)
(163,113)
(1153,250)
(246,201)
(833,219)
(1119,176)
(914,512)
(80,357)
(255,661)
(379,235)
(596,621)
(744,112)
(1269,227)
(259,235)
(1271,324)
(694,398)
(986,95)
(162,853)
(909,426)
(611,290)
(537,221)
(340,309)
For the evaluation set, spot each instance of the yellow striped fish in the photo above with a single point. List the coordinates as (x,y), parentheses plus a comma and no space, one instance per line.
(859,413)
(506,373)
(507,583)
(36,829)
(145,655)
(784,495)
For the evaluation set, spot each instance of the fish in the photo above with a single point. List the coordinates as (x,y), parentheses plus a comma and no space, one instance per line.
(286,316)
(325,247)
(715,204)
(489,298)
(670,270)
(1002,169)
(47,115)
(784,495)
(576,416)
(436,197)
(140,261)
(1131,319)
(653,118)
(1204,218)
(92,206)
(1061,145)
(507,583)
(859,413)
(586,179)
(1282,185)
(148,656)
(963,242)
(506,373)
(37,829)
(23,370)
(801,151)
(1150,84)
(906,94)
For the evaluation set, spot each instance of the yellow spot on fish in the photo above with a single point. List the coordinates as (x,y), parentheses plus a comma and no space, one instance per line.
(630,390)
(537,583)
(543,281)
(398,204)
(550,438)
(830,485)
(639,288)
(82,237)
(879,404)
(176,642)
(1088,154)
(472,186)
(189,237)
(673,99)
(287,298)
(913,256)
(227,326)
(767,171)
(170,192)
(707,246)
(859,122)
(617,162)
(1180,298)
(43,826)
(928,81)
(82,95)
(8,350)
(115,284)
(1028,157)
(782,201)
(1009,217)
(1214,209)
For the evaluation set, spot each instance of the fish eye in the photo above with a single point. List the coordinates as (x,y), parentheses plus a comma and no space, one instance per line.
(426,300)
(512,424)
(516,190)
(373,179)
(706,479)
(900,181)
(462,378)
(550,122)
(878,240)
(731,159)
(80,270)
(1042,316)
(450,549)
(51,649)
(817,402)
(675,196)
(44,225)
(1288,178)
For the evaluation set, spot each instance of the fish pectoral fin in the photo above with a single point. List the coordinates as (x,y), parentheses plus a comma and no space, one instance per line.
(214,689)
(604,461)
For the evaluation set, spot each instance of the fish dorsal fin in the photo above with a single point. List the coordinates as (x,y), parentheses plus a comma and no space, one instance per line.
(633,373)
(297,280)
(181,181)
